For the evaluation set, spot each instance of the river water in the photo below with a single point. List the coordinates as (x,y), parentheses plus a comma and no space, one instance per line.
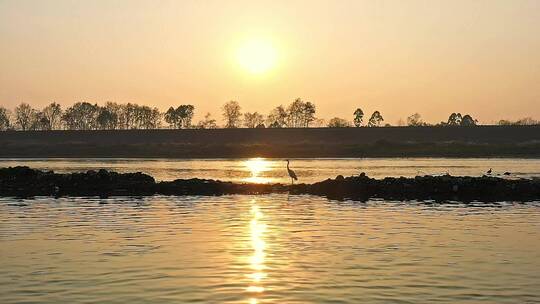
(269,248)
(274,170)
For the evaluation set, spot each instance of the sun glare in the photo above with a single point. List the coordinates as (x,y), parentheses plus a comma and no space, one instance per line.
(257,56)
(256,166)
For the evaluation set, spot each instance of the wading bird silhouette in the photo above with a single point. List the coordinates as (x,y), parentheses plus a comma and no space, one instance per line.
(489,171)
(291,173)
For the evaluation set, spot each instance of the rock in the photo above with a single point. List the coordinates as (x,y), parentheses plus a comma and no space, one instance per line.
(27,182)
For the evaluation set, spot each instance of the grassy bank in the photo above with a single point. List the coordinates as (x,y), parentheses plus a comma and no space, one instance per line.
(485,141)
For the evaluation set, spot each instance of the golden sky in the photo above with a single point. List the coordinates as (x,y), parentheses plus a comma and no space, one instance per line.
(399,57)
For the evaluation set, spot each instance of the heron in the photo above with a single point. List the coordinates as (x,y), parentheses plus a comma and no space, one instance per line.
(291,173)
(489,171)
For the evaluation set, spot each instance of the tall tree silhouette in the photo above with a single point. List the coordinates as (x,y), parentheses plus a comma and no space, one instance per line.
(171,117)
(81,116)
(454,119)
(52,116)
(253,120)
(24,116)
(5,122)
(300,114)
(106,119)
(308,114)
(468,121)
(375,119)
(277,117)
(232,114)
(185,115)
(358,117)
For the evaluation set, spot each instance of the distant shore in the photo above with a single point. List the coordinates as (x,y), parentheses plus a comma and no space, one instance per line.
(27,182)
(479,141)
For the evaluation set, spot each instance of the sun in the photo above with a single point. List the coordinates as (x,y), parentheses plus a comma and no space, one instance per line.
(257,56)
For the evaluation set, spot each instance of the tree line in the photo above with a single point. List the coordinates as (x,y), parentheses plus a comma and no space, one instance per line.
(114,116)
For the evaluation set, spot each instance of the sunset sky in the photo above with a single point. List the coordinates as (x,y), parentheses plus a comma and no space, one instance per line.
(399,57)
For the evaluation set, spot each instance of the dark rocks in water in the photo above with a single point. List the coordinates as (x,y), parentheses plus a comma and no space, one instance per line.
(27,182)
(197,186)
(446,187)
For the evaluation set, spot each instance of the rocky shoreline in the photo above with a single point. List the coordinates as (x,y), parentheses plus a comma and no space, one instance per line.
(27,182)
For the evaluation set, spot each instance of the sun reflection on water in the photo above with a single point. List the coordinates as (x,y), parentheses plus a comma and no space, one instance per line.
(256,260)
(257,166)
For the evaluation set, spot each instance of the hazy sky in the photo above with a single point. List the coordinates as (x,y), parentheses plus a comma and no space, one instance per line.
(433,57)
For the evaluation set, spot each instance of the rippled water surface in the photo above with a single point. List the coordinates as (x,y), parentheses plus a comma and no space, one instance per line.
(266,249)
(274,170)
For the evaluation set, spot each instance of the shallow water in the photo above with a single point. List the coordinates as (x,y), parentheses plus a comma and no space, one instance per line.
(274,170)
(271,248)
(266,249)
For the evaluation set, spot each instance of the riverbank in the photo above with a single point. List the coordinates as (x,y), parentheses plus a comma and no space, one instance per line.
(27,182)
(480,141)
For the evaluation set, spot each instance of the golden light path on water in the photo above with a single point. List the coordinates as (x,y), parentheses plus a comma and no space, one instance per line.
(257,231)
(256,167)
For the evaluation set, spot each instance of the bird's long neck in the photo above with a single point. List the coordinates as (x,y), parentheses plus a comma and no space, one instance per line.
(287,165)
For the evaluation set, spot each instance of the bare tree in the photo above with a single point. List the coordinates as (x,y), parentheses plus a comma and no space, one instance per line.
(308,113)
(171,117)
(112,115)
(319,123)
(128,116)
(300,114)
(145,117)
(185,115)
(155,118)
(526,121)
(40,122)
(337,122)
(277,118)
(232,113)
(415,120)
(107,119)
(253,120)
(207,123)
(24,116)
(180,117)
(295,113)
(81,116)
(52,116)
(5,122)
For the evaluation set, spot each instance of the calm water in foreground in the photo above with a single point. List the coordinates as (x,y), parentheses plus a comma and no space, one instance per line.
(266,249)
(269,248)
